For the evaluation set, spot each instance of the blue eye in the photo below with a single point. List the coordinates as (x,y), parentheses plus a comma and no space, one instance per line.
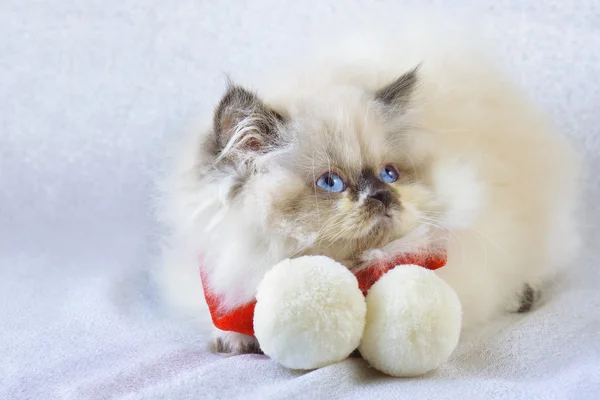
(331,182)
(389,174)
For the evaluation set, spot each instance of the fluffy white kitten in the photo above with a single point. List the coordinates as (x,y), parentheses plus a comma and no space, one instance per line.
(376,146)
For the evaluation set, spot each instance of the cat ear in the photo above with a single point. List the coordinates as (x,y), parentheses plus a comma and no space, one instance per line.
(398,92)
(244,121)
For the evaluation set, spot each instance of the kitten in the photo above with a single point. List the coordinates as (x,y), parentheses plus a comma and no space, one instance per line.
(366,153)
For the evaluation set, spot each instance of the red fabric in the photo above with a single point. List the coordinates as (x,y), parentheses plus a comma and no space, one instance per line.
(369,275)
(241,319)
(237,320)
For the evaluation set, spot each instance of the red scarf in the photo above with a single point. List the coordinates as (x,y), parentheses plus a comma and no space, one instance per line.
(240,319)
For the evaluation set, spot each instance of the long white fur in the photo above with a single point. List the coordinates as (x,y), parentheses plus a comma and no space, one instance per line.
(506,183)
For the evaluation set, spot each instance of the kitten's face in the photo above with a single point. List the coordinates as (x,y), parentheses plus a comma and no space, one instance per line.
(334,173)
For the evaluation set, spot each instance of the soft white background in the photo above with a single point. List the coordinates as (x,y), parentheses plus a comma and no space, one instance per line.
(91,92)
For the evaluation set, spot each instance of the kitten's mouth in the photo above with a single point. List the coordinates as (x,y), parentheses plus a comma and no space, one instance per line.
(383,222)
(387,214)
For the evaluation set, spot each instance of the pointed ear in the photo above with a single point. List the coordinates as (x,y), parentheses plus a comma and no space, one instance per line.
(243,121)
(398,92)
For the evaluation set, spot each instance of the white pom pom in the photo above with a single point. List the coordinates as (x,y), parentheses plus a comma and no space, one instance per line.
(413,322)
(309,313)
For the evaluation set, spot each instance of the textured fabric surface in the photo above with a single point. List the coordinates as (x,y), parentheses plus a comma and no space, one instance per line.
(91,92)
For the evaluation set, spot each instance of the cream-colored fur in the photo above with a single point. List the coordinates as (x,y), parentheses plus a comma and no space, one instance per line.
(490,177)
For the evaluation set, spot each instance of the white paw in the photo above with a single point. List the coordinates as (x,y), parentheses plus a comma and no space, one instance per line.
(233,343)
(372,255)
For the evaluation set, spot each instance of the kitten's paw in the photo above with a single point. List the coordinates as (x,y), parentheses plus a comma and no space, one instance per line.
(367,259)
(233,343)
(527,299)
(372,256)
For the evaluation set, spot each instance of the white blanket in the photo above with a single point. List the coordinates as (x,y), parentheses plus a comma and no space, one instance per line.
(90,94)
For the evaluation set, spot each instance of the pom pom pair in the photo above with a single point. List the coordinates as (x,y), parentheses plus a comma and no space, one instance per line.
(311,312)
